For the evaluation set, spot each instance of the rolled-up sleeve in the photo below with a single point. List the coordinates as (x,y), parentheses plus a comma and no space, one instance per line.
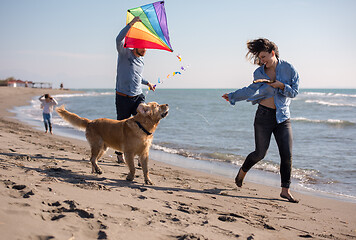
(144,82)
(243,93)
(291,90)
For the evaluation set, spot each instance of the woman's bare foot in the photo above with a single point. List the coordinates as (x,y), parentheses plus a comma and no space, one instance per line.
(287,195)
(240,177)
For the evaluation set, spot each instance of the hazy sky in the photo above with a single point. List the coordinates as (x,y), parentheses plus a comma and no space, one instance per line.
(73,42)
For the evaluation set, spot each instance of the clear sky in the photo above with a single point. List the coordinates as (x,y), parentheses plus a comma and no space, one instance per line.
(73,42)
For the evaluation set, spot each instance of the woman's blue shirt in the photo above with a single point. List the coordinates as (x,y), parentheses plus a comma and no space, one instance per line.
(256,92)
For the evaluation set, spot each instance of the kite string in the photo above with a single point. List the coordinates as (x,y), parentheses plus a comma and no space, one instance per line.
(200,115)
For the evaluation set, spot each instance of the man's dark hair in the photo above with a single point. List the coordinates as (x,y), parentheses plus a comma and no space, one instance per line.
(260,45)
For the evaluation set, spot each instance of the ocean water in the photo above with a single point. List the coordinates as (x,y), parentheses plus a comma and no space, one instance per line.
(204,132)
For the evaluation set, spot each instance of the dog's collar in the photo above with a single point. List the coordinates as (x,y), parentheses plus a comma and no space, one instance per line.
(143,129)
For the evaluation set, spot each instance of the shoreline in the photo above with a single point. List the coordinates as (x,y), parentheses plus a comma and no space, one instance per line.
(182,202)
(257,176)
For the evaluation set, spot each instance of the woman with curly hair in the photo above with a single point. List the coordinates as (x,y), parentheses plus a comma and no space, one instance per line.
(275,83)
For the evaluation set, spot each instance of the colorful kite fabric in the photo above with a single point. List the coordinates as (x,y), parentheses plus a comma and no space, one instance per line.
(152,31)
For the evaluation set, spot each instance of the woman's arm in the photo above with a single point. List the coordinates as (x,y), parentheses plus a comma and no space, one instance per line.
(242,94)
(291,90)
(54,101)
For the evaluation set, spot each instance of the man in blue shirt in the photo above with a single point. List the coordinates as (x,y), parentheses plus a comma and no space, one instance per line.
(129,78)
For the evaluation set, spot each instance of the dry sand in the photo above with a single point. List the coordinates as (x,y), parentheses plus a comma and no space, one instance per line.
(48,192)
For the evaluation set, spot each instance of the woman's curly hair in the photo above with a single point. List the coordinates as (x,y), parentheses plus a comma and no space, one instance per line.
(260,45)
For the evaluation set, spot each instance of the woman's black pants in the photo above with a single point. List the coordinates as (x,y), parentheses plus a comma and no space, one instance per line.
(265,124)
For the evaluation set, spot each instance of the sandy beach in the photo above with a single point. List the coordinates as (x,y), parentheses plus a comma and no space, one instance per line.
(48,192)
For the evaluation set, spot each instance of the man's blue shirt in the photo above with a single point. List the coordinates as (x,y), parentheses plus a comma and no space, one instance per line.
(256,92)
(129,68)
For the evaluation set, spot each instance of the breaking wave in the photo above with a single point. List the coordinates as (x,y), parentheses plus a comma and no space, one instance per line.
(332,122)
(307,176)
(331,104)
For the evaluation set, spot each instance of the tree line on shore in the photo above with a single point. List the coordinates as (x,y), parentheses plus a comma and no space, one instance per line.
(4,82)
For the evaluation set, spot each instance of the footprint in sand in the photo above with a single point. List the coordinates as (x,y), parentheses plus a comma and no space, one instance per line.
(102,235)
(54,218)
(191,236)
(28,194)
(227,219)
(142,197)
(18,187)
(72,208)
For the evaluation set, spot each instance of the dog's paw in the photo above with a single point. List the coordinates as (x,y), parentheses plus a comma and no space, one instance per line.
(148,182)
(129,178)
(99,171)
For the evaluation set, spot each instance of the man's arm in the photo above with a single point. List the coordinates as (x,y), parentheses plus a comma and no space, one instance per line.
(144,82)
(147,83)
(123,32)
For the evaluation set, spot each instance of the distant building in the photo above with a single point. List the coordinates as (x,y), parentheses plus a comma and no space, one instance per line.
(42,85)
(30,84)
(20,83)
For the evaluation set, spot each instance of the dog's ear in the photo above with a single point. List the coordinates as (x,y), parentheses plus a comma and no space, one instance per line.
(143,108)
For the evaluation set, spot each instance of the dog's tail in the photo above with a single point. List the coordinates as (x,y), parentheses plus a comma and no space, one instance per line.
(72,118)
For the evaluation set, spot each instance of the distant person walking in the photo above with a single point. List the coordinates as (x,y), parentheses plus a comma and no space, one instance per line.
(47,103)
(275,83)
(129,78)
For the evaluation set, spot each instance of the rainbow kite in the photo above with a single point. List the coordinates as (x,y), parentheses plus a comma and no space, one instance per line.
(152,31)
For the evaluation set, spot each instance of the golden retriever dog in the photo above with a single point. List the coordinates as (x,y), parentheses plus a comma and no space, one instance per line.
(132,136)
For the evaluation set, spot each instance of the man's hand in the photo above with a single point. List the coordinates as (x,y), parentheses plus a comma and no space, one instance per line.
(135,20)
(151,87)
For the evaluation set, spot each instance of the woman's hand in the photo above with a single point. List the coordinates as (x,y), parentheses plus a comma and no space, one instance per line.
(277,84)
(225,96)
